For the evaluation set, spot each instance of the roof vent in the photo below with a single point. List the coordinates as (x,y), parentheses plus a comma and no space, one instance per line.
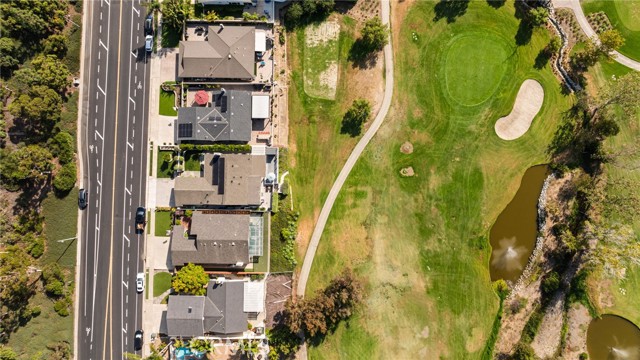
(190,309)
(233,244)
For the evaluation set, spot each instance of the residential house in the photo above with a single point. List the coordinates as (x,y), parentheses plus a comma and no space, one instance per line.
(224,310)
(226,180)
(228,52)
(218,239)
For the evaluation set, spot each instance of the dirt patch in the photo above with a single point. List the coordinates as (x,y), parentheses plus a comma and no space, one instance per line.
(528,104)
(329,77)
(407,172)
(406,148)
(548,338)
(578,319)
(279,290)
(322,33)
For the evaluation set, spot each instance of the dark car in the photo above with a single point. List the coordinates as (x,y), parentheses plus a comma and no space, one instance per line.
(138,340)
(82,198)
(148,25)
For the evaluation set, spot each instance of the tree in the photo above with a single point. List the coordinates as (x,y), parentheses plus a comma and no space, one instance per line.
(610,40)
(175,13)
(355,117)
(294,13)
(55,45)
(65,179)
(538,16)
(52,72)
(29,163)
(375,35)
(153,6)
(9,53)
(190,279)
(554,45)
(63,147)
(550,283)
(6,353)
(39,109)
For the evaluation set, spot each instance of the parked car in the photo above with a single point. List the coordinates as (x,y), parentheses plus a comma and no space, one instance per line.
(148,25)
(140,282)
(148,43)
(138,340)
(82,198)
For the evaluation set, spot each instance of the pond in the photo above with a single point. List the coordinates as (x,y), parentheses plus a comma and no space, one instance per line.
(513,235)
(613,338)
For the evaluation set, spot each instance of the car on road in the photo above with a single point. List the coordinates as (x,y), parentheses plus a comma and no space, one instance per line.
(140,282)
(140,218)
(138,340)
(148,43)
(148,25)
(82,198)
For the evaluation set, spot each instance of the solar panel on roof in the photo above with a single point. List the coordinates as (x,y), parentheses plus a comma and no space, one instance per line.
(185,130)
(223,104)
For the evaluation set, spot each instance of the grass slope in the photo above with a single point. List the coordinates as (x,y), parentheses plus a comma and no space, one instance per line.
(421,243)
(161,283)
(167,103)
(624,16)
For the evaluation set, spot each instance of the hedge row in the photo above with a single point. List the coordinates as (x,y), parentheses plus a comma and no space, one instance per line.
(217,148)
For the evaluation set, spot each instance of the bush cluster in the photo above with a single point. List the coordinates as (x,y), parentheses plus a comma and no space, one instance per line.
(223,148)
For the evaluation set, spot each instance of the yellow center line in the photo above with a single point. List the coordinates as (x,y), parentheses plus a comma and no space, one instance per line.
(109,309)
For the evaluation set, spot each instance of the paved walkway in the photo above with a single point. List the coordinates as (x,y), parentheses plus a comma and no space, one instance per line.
(574,5)
(351,161)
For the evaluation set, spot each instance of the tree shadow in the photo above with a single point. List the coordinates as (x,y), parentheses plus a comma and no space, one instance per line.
(362,56)
(350,127)
(496,4)
(450,10)
(542,59)
(525,29)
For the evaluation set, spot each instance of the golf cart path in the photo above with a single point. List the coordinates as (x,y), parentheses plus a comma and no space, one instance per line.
(574,5)
(351,161)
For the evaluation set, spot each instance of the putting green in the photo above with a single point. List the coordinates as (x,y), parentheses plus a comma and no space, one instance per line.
(629,14)
(475,64)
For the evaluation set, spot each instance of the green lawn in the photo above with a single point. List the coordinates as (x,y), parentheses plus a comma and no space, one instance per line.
(420,243)
(60,217)
(170,37)
(624,16)
(165,169)
(167,103)
(319,60)
(192,161)
(163,223)
(161,283)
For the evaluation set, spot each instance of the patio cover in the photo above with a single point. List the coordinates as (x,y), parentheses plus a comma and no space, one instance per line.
(261,41)
(260,107)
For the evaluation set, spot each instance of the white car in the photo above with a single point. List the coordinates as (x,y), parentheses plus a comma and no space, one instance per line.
(140,282)
(148,43)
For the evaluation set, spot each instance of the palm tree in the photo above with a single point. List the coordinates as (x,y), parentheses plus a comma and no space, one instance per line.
(153,6)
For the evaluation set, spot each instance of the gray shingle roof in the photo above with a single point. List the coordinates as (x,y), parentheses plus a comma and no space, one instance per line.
(216,240)
(228,119)
(228,180)
(228,53)
(221,311)
(185,315)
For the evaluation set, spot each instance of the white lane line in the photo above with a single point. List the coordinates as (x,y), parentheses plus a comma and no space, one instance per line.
(97,163)
(100,15)
(131,161)
(136,66)
(134,120)
(124,330)
(100,27)
(99,88)
(126,238)
(133,134)
(134,55)
(135,92)
(95,121)
(97,96)
(100,136)
(103,45)
(126,311)
(99,183)
(127,190)
(98,68)
(107,1)
(98,54)
(138,26)
(129,205)
(129,228)
(131,174)
(135,79)
(96,108)
(134,103)
(130,145)
(137,11)
(137,39)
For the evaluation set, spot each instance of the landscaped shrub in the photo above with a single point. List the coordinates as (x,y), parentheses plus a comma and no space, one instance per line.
(524,352)
(551,283)
(63,147)
(222,148)
(65,179)
(61,307)
(53,279)
(36,246)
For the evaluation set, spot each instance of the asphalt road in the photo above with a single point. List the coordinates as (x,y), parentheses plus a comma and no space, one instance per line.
(113,130)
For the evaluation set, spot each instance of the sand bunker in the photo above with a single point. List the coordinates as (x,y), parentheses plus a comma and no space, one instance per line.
(527,106)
